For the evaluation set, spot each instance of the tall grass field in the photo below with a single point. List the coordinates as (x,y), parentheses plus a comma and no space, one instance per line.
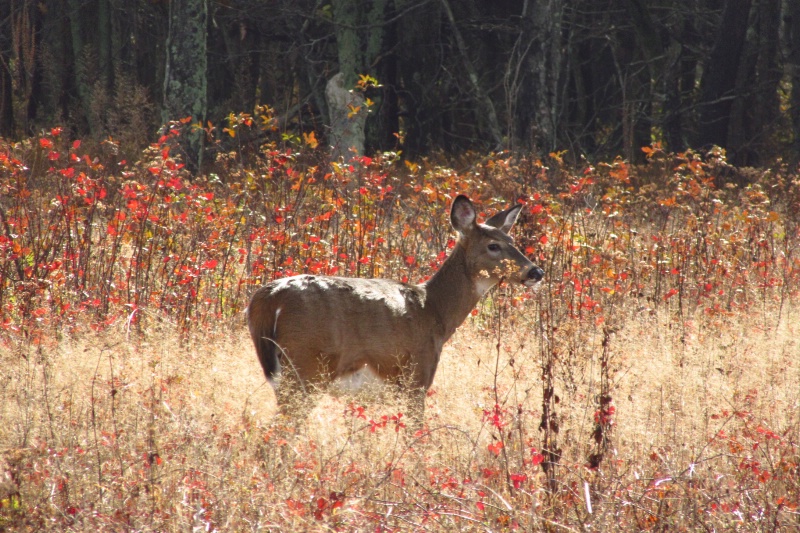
(651,383)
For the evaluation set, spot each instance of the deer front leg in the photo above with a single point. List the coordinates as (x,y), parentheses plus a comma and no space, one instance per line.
(416,409)
(420,379)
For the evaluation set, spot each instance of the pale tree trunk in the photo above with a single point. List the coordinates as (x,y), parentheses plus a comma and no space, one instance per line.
(348,116)
(185,80)
(360,29)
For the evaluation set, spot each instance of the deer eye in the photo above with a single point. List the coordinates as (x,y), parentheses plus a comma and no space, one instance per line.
(494,247)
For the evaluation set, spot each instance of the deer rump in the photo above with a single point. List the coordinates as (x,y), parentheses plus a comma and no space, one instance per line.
(314,329)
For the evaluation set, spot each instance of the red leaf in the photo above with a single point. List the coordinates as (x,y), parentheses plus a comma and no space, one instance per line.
(496,447)
(518,480)
(536,457)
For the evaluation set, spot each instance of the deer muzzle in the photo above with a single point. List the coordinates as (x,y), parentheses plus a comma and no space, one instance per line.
(533,276)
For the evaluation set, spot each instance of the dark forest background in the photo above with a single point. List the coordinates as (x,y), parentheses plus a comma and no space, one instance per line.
(593,77)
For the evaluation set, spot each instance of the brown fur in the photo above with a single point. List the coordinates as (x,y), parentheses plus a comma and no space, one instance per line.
(318,328)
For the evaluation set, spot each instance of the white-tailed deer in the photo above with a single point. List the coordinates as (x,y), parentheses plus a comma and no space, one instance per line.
(317,330)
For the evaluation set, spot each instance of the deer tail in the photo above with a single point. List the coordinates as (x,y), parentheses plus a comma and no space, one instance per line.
(263,327)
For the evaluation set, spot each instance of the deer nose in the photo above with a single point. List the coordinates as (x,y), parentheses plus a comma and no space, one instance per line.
(535,273)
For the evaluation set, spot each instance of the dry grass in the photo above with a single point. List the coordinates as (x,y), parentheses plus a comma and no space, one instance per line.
(106,432)
(651,384)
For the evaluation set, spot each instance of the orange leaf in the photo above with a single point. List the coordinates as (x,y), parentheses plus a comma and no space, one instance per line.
(311,140)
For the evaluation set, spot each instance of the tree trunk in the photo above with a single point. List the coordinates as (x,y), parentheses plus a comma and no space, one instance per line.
(360,33)
(82,84)
(638,54)
(755,111)
(483,100)
(104,50)
(383,120)
(717,87)
(25,41)
(349,46)
(793,67)
(534,102)
(657,56)
(347,115)
(672,118)
(6,87)
(418,66)
(185,81)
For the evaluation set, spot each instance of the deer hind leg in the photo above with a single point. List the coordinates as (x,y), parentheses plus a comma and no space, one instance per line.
(295,398)
(295,404)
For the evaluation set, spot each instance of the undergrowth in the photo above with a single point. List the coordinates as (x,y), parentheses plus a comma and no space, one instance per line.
(649,384)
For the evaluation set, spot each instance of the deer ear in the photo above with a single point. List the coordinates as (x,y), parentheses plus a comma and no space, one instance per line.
(504,220)
(462,214)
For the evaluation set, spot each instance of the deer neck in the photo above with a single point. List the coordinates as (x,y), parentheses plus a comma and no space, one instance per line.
(451,293)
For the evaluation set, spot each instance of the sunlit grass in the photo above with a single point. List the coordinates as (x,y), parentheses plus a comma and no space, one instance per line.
(163,434)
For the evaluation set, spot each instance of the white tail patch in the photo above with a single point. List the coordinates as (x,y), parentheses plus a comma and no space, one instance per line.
(275,381)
